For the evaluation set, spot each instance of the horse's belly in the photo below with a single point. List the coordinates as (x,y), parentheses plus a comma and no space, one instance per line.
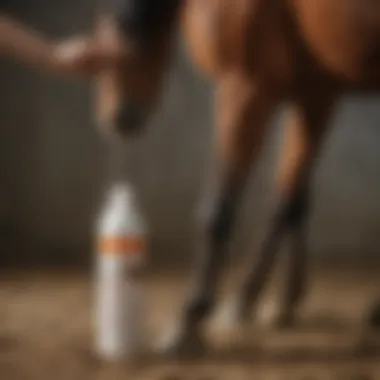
(342,35)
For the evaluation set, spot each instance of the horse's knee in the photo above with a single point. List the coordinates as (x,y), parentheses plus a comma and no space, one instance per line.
(296,211)
(296,208)
(215,216)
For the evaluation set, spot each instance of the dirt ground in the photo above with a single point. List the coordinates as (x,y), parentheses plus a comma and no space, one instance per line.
(46,327)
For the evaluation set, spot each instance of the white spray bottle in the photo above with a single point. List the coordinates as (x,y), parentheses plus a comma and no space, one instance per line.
(120,257)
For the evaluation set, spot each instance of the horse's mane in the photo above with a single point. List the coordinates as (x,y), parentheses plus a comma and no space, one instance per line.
(142,19)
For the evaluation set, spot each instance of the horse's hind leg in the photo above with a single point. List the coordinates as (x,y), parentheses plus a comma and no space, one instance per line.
(304,130)
(242,112)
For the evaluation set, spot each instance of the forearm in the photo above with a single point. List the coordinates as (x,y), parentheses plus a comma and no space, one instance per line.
(26,45)
(81,55)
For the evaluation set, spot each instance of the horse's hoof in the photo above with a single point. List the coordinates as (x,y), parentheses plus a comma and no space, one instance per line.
(271,316)
(233,316)
(181,343)
(267,315)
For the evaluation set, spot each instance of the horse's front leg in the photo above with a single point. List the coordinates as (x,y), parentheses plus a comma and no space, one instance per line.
(242,111)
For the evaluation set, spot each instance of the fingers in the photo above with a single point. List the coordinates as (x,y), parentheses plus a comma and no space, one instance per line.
(86,57)
(77,57)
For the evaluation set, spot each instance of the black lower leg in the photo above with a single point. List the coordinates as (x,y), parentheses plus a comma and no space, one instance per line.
(296,219)
(256,279)
(216,229)
(290,217)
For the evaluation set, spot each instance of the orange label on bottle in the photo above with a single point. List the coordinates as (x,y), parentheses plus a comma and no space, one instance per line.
(121,245)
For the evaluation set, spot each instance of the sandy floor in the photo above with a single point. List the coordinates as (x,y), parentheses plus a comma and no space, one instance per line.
(45,334)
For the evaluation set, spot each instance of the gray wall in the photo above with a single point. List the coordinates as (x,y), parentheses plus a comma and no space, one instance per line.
(54,164)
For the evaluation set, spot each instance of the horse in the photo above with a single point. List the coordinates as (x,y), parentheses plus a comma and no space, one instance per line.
(259,54)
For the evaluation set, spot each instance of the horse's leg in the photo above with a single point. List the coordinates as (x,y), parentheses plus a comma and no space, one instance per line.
(295,222)
(304,131)
(242,111)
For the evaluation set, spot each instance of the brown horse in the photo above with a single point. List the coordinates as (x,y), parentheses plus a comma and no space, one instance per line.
(259,53)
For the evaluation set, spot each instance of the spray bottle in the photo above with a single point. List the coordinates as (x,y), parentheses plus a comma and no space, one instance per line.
(120,258)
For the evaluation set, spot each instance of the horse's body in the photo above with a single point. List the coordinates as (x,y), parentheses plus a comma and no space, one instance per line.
(259,53)
(289,40)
